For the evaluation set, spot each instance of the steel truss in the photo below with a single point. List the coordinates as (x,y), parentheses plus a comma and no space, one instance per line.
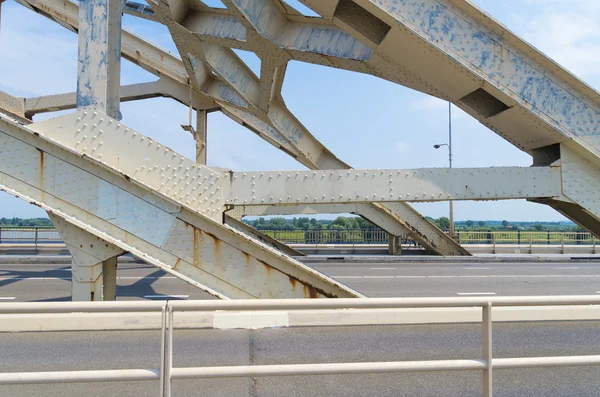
(445,48)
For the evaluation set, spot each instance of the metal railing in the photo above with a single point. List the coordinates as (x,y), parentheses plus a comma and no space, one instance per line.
(46,235)
(166,372)
(330,236)
(378,236)
(29,235)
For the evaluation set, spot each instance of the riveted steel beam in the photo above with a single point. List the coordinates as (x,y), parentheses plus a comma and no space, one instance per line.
(99,64)
(466,56)
(53,103)
(290,136)
(94,173)
(12,105)
(420,185)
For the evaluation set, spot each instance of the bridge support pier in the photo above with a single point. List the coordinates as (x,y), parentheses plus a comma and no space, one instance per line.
(395,245)
(94,263)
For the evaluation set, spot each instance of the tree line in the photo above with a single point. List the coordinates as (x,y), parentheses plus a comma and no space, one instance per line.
(20,222)
(305,223)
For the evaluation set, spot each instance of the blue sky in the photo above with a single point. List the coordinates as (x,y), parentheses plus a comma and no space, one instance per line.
(365,121)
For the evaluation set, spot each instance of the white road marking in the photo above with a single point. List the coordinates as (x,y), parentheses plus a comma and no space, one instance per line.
(166,296)
(568,267)
(7,298)
(476,268)
(383,268)
(475,293)
(477,276)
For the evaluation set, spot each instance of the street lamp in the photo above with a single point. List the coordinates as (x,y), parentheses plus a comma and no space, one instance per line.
(449,144)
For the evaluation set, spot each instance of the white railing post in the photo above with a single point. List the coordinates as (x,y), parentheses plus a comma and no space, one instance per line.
(487,348)
(163,336)
(169,358)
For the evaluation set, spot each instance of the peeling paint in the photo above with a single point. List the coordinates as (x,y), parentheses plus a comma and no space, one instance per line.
(488,54)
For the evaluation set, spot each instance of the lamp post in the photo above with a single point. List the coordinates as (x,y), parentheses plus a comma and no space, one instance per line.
(449,144)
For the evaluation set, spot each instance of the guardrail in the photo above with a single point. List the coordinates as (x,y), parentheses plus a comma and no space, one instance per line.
(47,235)
(378,236)
(330,236)
(166,372)
(29,235)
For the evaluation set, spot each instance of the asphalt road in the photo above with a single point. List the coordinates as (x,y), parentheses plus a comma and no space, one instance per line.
(136,281)
(140,349)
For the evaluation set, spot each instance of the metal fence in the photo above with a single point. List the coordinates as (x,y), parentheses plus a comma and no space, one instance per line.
(330,236)
(166,372)
(29,235)
(45,235)
(378,236)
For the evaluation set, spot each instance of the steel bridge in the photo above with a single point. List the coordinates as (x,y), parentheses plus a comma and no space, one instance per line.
(109,189)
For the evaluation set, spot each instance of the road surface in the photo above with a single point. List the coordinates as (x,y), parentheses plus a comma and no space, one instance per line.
(137,281)
(140,349)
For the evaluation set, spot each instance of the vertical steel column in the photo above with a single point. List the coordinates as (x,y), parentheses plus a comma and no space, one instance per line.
(201,125)
(109,279)
(395,245)
(99,64)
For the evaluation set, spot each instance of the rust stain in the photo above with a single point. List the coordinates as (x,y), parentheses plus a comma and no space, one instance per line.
(196,246)
(177,264)
(41,175)
(216,243)
(310,291)
(268,269)
(293,282)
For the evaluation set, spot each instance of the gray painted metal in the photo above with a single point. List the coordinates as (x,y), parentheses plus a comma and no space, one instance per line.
(365,186)
(99,181)
(446,48)
(99,63)
(279,133)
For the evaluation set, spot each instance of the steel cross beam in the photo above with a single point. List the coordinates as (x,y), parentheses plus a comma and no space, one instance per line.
(248,86)
(367,186)
(143,198)
(53,103)
(411,221)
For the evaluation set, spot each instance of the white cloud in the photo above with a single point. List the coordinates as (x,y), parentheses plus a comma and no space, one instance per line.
(572,39)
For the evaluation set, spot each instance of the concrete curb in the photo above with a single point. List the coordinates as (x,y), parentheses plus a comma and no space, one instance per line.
(448,259)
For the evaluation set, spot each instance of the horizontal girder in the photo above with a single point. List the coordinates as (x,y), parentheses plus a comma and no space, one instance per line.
(365,186)
(279,127)
(134,193)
